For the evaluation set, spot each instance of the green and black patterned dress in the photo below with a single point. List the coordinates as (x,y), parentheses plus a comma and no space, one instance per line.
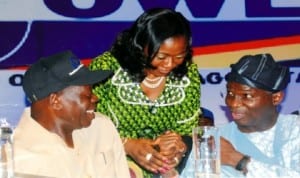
(134,115)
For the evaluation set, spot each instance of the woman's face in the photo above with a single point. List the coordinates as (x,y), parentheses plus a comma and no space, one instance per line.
(170,55)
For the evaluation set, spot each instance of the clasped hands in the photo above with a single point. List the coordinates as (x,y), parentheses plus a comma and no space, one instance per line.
(160,155)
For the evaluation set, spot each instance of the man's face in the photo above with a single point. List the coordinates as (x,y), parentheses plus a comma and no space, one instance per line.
(252,109)
(78,106)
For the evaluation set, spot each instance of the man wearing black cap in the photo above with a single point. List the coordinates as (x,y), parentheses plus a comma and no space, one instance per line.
(60,135)
(260,142)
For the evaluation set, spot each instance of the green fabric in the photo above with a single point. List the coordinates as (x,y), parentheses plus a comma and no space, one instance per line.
(135,116)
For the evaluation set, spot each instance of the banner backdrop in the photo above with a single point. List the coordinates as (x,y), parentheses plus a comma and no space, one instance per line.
(223,31)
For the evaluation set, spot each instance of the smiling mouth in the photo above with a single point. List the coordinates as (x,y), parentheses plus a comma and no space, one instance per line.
(237,116)
(164,71)
(91,113)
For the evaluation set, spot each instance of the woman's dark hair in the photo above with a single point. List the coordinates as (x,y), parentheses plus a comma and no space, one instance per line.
(151,29)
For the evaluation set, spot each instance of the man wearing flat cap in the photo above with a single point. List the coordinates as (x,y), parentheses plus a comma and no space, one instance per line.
(260,142)
(60,135)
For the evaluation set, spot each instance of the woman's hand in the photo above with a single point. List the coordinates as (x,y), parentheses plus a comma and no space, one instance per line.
(144,153)
(171,145)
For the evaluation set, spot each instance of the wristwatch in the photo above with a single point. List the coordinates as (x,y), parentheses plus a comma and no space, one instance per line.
(242,164)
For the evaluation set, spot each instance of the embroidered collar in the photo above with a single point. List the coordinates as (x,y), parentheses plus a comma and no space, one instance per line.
(130,92)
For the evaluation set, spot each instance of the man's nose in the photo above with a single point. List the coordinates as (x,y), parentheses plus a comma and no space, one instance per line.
(235,101)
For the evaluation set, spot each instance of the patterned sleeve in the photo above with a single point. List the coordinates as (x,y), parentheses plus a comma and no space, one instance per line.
(105,61)
(191,104)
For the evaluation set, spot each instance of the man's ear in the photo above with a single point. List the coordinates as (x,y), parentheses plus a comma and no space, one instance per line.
(277,97)
(55,101)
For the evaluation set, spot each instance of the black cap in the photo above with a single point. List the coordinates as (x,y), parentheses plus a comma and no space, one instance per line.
(56,72)
(259,71)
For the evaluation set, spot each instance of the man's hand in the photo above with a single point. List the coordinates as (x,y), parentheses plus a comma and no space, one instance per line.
(229,155)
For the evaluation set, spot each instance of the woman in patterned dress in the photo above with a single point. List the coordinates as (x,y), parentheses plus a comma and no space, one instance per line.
(154,96)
